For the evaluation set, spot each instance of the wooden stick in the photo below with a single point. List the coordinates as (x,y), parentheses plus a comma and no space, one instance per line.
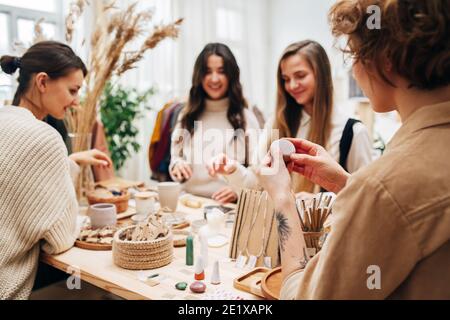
(328,212)
(300,216)
(320,199)
(308,220)
(311,212)
(328,201)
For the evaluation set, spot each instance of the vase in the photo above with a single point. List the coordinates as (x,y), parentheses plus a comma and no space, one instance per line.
(85,180)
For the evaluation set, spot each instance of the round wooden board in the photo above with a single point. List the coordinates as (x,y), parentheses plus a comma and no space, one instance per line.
(271,284)
(93,246)
(101,247)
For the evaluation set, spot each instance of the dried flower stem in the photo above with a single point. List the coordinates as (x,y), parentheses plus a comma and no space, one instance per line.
(108,56)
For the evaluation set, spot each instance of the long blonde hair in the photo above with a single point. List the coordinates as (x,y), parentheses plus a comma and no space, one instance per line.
(289,112)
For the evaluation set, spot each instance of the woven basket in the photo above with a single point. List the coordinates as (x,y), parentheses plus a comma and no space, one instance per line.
(142,255)
(120,202)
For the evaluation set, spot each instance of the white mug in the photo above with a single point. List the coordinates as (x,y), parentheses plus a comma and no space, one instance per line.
(102,215)
(169,193)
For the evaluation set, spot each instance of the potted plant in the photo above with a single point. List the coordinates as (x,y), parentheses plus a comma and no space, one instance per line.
(120,107)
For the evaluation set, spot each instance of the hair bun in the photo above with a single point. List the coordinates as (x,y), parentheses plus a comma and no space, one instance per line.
(10,64)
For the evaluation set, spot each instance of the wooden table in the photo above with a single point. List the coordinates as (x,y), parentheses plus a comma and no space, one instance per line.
(97,268)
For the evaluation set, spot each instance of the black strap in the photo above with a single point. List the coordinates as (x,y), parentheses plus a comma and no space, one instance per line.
(346,143)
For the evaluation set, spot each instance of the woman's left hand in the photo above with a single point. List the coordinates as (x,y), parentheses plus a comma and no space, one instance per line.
(92,157)
(225,195)
(274,177)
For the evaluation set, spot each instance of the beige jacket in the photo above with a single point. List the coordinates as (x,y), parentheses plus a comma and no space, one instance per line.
(394,217)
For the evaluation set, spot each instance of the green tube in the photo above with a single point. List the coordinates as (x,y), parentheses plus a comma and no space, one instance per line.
(190,251)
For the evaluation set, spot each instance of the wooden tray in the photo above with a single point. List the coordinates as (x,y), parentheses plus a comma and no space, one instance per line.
(271,284)
(93,246)
(98,246)
(251,281)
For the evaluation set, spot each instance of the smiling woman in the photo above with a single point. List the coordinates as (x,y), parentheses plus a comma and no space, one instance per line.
(37,197)
(48,88)
(305,109)
(216,106)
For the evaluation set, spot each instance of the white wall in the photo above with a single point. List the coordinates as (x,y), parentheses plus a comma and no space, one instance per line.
(296,20)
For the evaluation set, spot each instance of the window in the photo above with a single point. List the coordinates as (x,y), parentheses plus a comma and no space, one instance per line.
(25,30)
(41,5)
(21,16)
(4,39)
(17,21)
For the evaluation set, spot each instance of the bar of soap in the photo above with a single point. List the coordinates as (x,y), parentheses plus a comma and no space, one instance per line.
(285,147)
(198,287)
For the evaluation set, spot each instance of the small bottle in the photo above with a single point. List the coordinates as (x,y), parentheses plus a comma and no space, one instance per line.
(199,270)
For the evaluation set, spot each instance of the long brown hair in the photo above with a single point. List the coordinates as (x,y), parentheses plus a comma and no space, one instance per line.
(289,112)
(54,58)
(197,95)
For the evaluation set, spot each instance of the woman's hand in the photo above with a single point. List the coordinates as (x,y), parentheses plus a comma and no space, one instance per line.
(92,157)
(274,177)
(222,165)
(225,195)
(313,161)
(181,171)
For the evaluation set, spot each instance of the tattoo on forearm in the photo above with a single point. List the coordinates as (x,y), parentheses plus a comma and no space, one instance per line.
(284,230)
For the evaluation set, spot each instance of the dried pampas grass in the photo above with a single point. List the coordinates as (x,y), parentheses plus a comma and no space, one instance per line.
(75,12)
(108,56)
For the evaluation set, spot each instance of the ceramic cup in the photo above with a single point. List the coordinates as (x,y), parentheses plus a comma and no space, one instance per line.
(216,221)
(145,203)
(102,215)
(169,193)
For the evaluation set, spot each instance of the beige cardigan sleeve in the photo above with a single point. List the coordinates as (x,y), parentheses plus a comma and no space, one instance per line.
(370,240)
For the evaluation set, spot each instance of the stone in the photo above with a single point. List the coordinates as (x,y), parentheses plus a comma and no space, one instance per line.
(198,287)
(181,286)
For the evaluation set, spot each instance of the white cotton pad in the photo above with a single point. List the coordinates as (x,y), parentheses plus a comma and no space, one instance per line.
(286,148)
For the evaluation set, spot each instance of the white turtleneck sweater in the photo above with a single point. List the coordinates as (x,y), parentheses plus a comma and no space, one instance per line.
(38,204)
(212,137)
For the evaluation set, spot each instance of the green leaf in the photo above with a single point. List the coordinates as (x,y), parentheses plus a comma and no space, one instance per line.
(119,108)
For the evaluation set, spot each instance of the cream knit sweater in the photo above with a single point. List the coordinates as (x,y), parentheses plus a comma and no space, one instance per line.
(38,205)
(214,137)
